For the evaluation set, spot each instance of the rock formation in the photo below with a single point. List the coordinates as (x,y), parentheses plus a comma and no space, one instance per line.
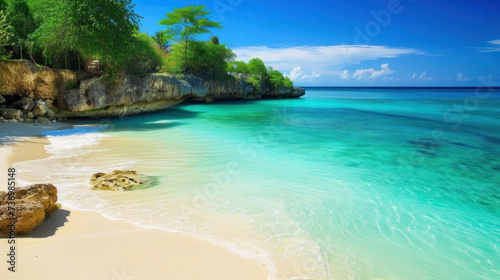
(50,94)
(121,181)
(24,78)
(33,205)
(28,110)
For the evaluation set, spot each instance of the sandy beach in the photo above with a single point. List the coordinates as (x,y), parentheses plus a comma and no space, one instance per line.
(85,245)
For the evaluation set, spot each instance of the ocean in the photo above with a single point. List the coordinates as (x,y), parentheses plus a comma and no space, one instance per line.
(344,183)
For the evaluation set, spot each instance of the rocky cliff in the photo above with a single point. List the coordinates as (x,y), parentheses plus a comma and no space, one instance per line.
(64,93)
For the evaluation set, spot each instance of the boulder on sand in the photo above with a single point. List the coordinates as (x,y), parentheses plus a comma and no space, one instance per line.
(32,206)
(121,181)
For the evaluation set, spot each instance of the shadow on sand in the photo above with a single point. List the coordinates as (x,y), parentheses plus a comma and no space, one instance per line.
(51,225)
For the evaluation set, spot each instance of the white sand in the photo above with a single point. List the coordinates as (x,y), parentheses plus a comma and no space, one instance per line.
(85,245)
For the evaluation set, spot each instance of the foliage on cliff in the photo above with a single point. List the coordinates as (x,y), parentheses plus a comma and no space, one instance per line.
(63,34)
(4,36)
(262,77)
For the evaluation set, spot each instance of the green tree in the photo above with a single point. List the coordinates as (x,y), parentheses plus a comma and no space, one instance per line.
(102,28)
(207,60)
(160,39)
(239,67)
(287,82)
(215,40)
(256,66)
(3,5)
(94,28)
(276,78)
(183,24)
(4,36)
(22,24)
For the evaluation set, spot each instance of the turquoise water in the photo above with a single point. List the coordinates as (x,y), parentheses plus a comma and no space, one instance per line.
(341,184)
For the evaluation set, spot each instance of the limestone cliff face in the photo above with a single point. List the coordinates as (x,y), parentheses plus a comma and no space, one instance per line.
(27,79)
(77,95)
(231,89)
(131,95)
(285,92)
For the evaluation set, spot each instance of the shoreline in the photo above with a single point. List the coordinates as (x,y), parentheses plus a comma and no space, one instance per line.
(75,240)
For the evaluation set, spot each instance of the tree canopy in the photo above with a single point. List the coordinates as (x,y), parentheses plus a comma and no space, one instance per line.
(22,24)
(4,35)
(60,33)
(184,24)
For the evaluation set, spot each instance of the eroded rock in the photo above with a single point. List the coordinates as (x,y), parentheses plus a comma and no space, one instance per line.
(39,110)
(25,104)
(11,114)
(32,206)
(121,181)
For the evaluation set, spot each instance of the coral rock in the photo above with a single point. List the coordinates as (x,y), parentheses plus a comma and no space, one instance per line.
(32,206)
(120,181)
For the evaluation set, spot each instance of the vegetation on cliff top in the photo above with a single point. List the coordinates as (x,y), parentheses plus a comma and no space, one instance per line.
(66,34)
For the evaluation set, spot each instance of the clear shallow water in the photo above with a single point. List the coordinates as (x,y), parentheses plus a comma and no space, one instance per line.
(342,184)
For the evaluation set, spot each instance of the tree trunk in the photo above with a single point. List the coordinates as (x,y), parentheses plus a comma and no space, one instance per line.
(79,62)
(185,55)
(87,63)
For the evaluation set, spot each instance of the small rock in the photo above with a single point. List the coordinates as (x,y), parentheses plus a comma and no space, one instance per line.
(49,102)
(29,121)
(25,104)
(42,120)
(11,114)
(121,181)
(54,121)
(30,115)
(50,114)
(39,101)
(53,108)
(20,120)
(2,99)
(4,121)
(39,110)
(13,121)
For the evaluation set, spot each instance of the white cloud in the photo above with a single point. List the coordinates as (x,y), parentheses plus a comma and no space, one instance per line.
(413,76)
(462,78)
(494,48)
(319,60)
(296,72)
(298,75)
(345,75)
(423,76)
(372,73)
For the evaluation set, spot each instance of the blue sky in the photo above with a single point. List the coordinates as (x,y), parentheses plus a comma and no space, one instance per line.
(359,42)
